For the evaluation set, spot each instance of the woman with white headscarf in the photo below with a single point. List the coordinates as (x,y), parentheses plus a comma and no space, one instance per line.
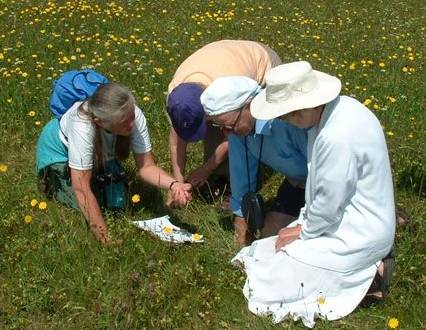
(324,264)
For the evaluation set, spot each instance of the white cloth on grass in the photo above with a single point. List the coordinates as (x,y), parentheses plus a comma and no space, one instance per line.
(166,231)
(348,223)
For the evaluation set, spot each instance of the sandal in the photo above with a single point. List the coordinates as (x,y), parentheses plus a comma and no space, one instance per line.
(403,219)
(379,289)
(388,270)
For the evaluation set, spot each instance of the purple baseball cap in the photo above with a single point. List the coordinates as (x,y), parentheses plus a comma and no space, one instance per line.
(186,112)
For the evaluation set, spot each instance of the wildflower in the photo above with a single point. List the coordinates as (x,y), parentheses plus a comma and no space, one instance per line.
(382,65)
(393,323)
(28,219)
(391,99)
(197,237)
(352,66)
(9,100)
(159,71)
(34,202)
(376,106)
(146,98)
(321,300)
(3,168)
(390,133)
(31,113)
(42,205)
(37,123)
(367,102)
(404,69)
(136,198)
(409,49)
(168,230)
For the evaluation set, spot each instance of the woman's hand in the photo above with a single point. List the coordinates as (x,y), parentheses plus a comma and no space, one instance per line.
(286,236)
(181,193)
(199,176)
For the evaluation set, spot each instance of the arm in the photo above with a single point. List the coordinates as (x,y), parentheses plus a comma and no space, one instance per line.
(178,148)
(80,181)
(332,182)
(239,175)
(156,176)
(200,175)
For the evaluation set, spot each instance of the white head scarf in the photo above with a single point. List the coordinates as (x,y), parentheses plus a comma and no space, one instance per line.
(228,94)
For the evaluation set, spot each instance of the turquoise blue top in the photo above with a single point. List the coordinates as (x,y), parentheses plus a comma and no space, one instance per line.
(50,148)
(284,149)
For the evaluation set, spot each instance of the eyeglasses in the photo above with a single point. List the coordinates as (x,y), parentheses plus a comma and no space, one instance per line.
(230,128)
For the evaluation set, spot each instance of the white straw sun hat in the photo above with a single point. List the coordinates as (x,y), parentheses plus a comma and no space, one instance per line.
(294,86)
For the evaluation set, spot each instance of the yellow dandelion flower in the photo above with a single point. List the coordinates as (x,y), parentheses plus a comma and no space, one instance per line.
(410,136)
(28,219)
(1,56)
(3,168)
(168,230)
(404,69)
(34,202)
(393,323)
(389,133)
(31,113)
(9,100)
(321,300)
(159,70)
(409,49)
(391,99)
(136,198)
(146,98)
(197,237)
(382,65)
(352,66)
(367,102)
(37,123)
(376,106)
(42,205)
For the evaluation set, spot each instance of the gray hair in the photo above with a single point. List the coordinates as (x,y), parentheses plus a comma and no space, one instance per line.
(110,102)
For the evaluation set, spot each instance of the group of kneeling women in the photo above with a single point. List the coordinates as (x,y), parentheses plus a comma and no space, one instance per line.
(328,238)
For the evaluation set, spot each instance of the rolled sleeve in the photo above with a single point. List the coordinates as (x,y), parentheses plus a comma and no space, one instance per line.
(140,140)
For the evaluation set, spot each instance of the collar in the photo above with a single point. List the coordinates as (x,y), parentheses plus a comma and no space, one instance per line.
(263,127)
(328,110)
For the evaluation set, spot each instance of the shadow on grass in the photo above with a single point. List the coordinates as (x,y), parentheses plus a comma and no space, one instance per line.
(413,179)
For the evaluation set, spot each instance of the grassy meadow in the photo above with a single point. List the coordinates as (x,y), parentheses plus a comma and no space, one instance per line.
(54,274)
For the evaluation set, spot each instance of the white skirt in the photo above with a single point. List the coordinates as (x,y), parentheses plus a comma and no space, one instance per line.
(283,287)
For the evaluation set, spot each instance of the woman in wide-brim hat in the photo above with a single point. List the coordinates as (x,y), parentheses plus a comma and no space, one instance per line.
(325,263)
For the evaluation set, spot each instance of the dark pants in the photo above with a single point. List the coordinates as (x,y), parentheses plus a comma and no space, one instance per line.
(289,199)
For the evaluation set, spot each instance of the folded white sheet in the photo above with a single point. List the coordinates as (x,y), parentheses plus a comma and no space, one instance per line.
(166,231)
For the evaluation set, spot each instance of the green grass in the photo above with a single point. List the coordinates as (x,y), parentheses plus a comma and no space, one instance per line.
(53,274)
